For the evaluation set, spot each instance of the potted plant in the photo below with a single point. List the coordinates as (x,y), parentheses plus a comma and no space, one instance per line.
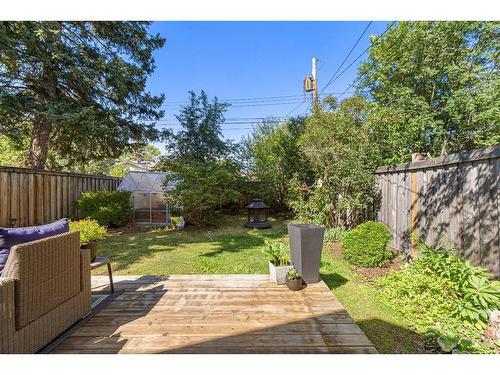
(276,252)
(90,234)
(293,279)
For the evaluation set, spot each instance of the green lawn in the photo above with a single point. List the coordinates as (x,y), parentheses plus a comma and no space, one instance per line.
(233,249)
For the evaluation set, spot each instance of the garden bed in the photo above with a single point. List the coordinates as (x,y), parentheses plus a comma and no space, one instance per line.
(370,273)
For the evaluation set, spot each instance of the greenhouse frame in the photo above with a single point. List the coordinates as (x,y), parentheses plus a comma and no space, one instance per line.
(147,199)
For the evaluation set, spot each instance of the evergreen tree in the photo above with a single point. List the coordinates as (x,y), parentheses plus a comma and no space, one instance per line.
(80,86)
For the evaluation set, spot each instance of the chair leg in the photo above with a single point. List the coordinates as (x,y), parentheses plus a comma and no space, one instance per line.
(111,278)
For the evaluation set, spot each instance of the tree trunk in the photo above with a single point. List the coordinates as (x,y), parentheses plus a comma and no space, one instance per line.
(39,145)
(42,126)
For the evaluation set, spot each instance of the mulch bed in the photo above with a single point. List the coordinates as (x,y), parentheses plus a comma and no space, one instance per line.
(369,273)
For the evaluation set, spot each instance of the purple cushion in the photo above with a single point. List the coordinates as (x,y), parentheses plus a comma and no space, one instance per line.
(14,236)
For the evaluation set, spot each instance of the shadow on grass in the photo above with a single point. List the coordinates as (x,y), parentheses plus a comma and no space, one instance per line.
(231,237)
(392,339)
(333,280)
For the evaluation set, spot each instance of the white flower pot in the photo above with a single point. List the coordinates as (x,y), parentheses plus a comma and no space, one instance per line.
(278,274)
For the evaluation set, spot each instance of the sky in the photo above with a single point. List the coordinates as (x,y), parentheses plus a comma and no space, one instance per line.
(243,62)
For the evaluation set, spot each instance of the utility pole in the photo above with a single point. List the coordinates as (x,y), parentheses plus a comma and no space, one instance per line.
(315,82)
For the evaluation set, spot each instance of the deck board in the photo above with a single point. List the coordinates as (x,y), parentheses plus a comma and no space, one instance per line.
(216,314)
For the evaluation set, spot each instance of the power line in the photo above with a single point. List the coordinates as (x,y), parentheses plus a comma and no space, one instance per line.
(251,102)
(358,79)
(293,110)
(345,59)
(248,99)
(360,55)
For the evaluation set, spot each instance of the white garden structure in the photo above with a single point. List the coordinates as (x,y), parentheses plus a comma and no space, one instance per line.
(148,201)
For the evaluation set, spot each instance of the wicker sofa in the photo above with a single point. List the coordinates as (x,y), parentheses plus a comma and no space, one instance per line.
(44,289)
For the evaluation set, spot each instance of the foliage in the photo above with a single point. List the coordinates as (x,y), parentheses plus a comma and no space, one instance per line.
(338,148)
(293,274)
(366,245)
(11,155)
(425,301)
(202,175)
(444,298)
(275,157)
(106,207)
(276,251)
(200,139)
(90,230)
(80,87)
(202,187)
(436,86)
(147,153)
(334,234)
(478,296)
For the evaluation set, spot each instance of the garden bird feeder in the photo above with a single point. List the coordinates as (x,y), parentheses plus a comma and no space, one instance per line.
(257,215)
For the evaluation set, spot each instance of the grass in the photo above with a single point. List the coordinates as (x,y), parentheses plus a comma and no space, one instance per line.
(229,249)
(233,249)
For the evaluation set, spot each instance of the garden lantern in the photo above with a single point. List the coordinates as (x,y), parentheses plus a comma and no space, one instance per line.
(257,215)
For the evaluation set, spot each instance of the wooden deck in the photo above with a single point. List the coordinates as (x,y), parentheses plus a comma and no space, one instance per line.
(216,314)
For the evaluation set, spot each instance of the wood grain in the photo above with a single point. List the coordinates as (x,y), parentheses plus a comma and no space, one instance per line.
(217,314)
(447,200)
(34,197)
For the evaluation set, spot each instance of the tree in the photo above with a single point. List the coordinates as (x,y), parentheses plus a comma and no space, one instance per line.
(10,154)
(437,87)
(340,152)
(276,158)
(202,187)
(202,168)
(201,136)
(80,86)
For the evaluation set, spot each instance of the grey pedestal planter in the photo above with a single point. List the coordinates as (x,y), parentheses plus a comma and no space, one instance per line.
(306,242)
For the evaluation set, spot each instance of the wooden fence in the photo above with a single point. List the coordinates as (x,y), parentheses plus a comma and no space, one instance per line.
(451,199)
(33,197)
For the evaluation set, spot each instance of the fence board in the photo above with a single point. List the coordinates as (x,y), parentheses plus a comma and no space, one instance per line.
(455,202)
(35,197)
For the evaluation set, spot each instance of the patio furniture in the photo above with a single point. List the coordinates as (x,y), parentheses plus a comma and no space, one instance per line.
(44,289)
(104,261)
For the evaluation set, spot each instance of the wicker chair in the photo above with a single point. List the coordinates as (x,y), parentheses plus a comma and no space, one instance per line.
(44,289)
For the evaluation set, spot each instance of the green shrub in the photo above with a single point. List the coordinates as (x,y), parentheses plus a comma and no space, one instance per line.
(445,298)
(276,251)
(478,296)
(335,234)
(90,230)
(106,207)
(425,301)
(366,245)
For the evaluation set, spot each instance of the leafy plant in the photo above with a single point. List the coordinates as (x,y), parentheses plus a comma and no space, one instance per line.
(445,298)
(293,274)
(276,251)
(478,295)
(424,300)
(274,156)
(457,111)
(366,245)
(337,146)
(202,187)
(335,234)
(90,230)
(106,207)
